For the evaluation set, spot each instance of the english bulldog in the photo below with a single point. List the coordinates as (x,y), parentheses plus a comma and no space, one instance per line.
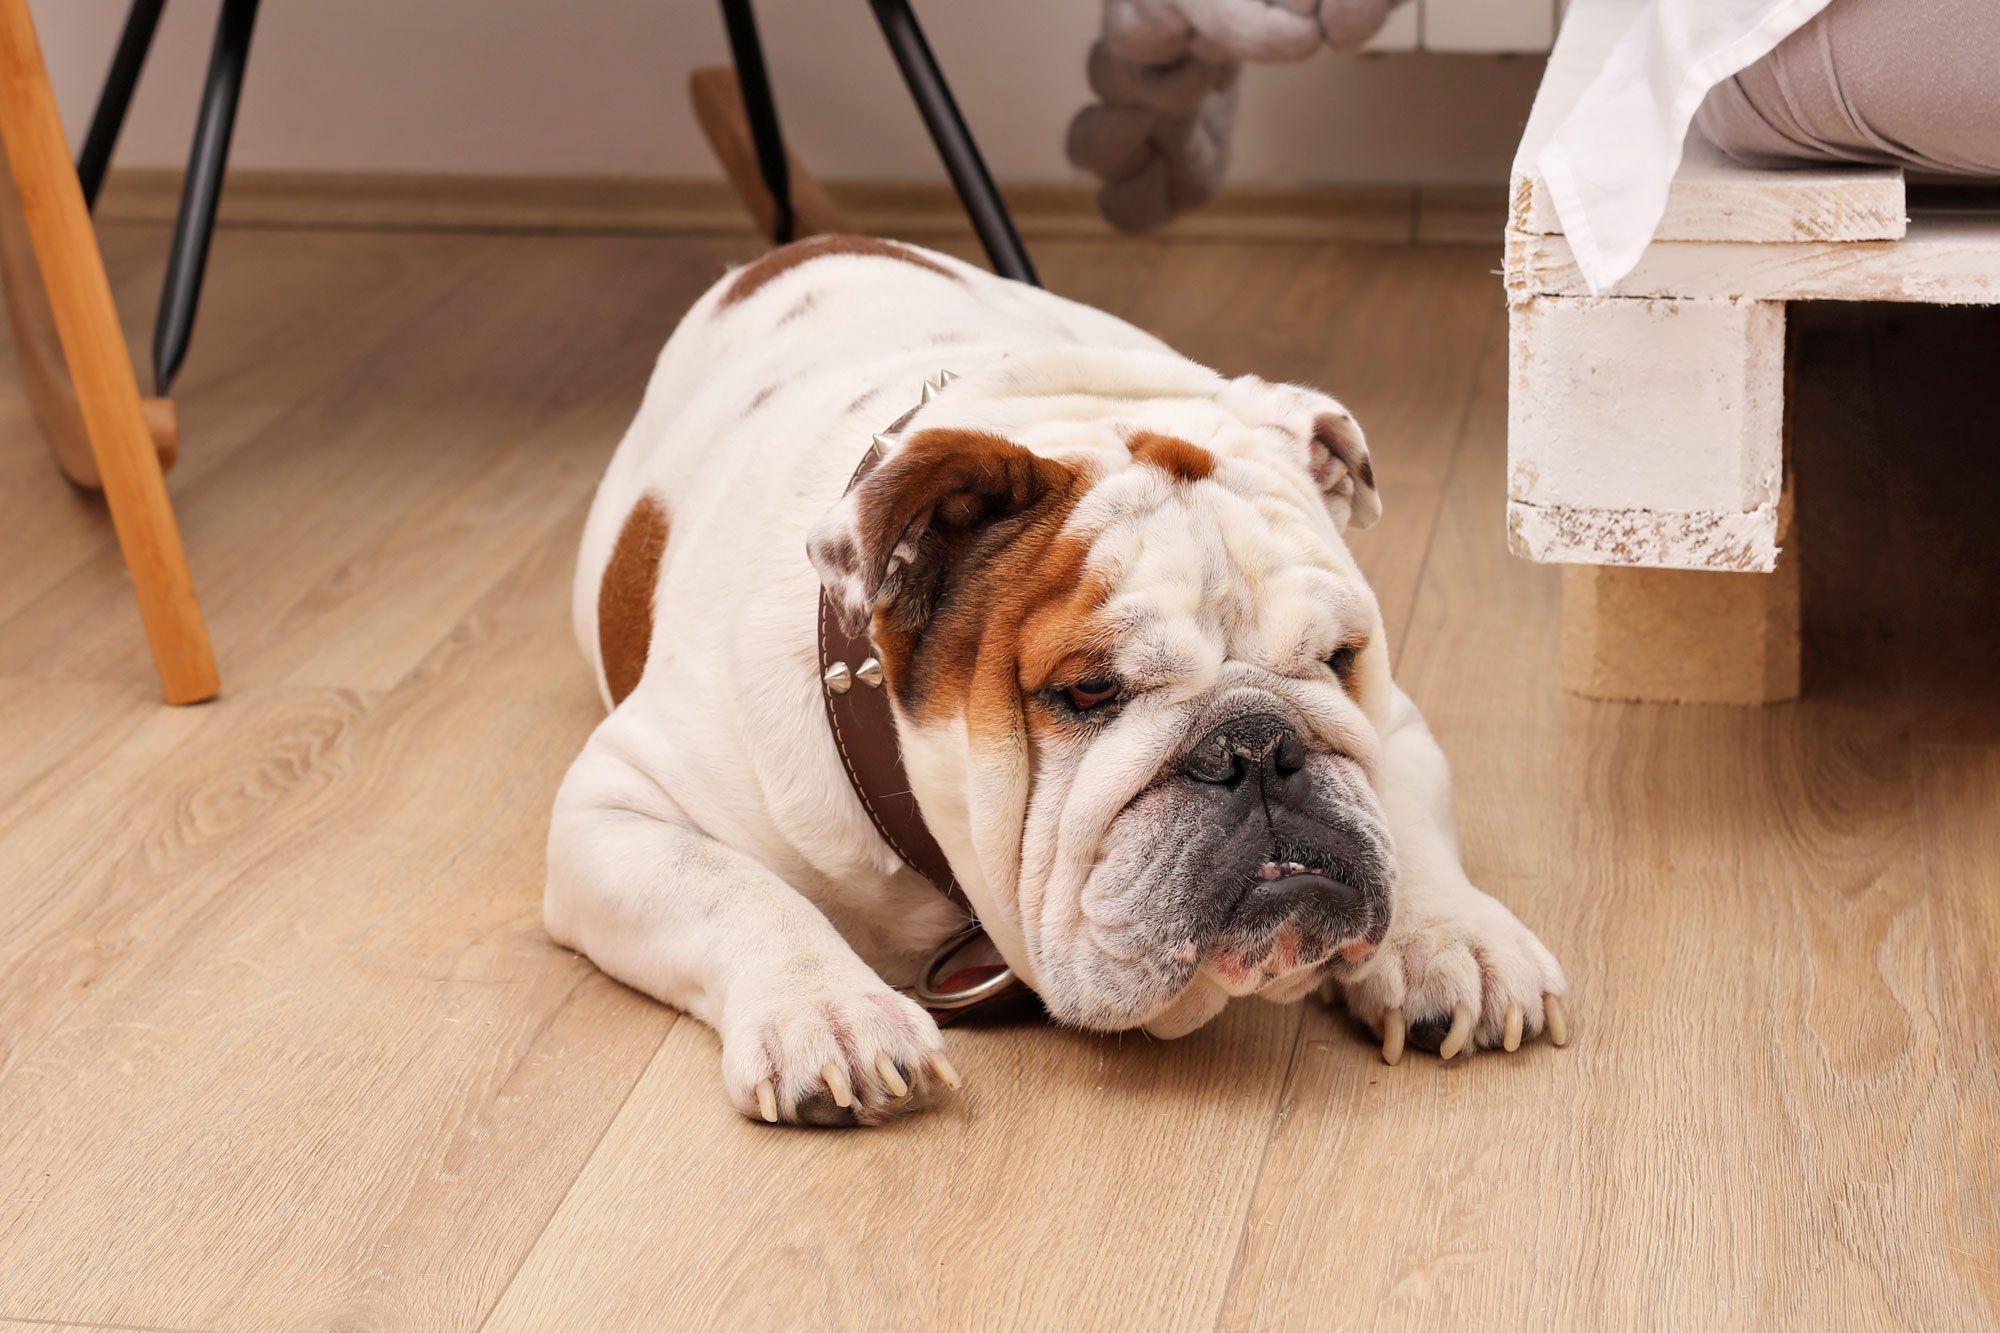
(1138,684)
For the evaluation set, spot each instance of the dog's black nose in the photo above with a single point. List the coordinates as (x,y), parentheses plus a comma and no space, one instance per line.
(1259,746)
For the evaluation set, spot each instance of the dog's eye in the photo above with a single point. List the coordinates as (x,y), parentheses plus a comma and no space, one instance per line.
(1342,661)
(1088,694)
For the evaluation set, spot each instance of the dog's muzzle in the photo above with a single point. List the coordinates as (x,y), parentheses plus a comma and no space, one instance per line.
(1293,850)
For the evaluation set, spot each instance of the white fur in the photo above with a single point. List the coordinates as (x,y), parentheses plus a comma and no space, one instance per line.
(705,847)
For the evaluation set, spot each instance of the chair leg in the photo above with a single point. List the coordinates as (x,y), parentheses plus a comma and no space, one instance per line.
(94,346)
(207,160)
(718,107)
(754,87)
(38,348)
(116,99)
(954,142)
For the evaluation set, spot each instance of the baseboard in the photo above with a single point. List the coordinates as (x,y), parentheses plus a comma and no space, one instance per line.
(1392,214)
(1461,214)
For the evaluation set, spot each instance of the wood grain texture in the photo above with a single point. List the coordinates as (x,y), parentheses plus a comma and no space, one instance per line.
(1948,258)
(282,1044)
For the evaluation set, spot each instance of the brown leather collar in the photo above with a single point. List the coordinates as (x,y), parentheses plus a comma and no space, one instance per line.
(864,732)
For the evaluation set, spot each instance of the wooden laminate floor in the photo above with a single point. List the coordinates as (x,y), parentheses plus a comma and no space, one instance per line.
(282,1044)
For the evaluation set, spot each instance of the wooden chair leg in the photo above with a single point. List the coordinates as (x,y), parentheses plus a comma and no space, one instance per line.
(93,346)
(718,106)
(39,350)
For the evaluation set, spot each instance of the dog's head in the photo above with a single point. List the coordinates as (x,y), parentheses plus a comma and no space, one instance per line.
(1139,683)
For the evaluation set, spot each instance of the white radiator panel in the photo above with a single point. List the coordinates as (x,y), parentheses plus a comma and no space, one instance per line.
(1400,32)
(1486,26)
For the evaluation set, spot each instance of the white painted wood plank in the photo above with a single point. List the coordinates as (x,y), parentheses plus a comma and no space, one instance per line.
(1737,543)
(1646,432)
(1713,198)
(1399,31)
(1497,26)
(1945,259)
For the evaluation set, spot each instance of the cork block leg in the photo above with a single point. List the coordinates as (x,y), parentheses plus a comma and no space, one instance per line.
(1681,636)
(93,347)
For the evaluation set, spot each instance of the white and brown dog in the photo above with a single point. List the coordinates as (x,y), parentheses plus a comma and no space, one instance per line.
(1140,688)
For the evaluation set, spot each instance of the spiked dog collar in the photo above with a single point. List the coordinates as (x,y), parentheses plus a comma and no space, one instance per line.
(864,733)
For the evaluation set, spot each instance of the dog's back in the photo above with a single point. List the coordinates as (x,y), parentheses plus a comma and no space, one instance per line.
(758,411)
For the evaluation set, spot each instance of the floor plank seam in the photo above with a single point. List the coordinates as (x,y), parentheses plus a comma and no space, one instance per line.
(1495,331)
(112,1328)
(1277,1123)
(530,550)
(583,1165)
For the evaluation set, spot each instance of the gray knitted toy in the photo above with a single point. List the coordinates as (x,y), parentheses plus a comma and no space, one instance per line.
(1165,77)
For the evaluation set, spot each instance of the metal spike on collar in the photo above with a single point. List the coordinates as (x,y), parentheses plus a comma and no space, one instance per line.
(930,392)
(870,673)
(839,680)
(944,378)
(883,444)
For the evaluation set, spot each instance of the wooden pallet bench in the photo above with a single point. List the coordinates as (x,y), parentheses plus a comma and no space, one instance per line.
(1647,427)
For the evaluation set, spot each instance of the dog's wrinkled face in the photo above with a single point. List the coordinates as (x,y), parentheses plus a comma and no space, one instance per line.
(1138,681)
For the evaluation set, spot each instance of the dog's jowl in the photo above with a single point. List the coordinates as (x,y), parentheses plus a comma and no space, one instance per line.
(1132,690)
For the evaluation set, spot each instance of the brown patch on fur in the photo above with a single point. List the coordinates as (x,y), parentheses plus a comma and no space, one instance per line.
(763,396)
(842,554)
(625,596)
(1172,455)
(1350,676)
(1062,640)
(993,578)
(788,257)
(1024,621)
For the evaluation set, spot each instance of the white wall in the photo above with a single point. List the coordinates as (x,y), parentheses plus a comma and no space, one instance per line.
(598,87)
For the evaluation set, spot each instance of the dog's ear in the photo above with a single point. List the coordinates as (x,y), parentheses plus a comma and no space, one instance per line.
(894,538)
(1336,452)
(1339,462)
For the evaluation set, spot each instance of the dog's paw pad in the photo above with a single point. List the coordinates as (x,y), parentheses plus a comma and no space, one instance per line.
(830,1055)
(1442,1034)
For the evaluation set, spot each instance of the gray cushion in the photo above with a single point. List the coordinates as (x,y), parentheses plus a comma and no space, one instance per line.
(1911,83)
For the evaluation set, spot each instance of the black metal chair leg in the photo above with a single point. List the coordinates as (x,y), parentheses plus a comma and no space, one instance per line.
(207,160)
(762,110)
(954,142)
(116,99)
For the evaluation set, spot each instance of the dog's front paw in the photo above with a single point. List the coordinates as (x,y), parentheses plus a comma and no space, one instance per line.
(1458,970)
(817,1052)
